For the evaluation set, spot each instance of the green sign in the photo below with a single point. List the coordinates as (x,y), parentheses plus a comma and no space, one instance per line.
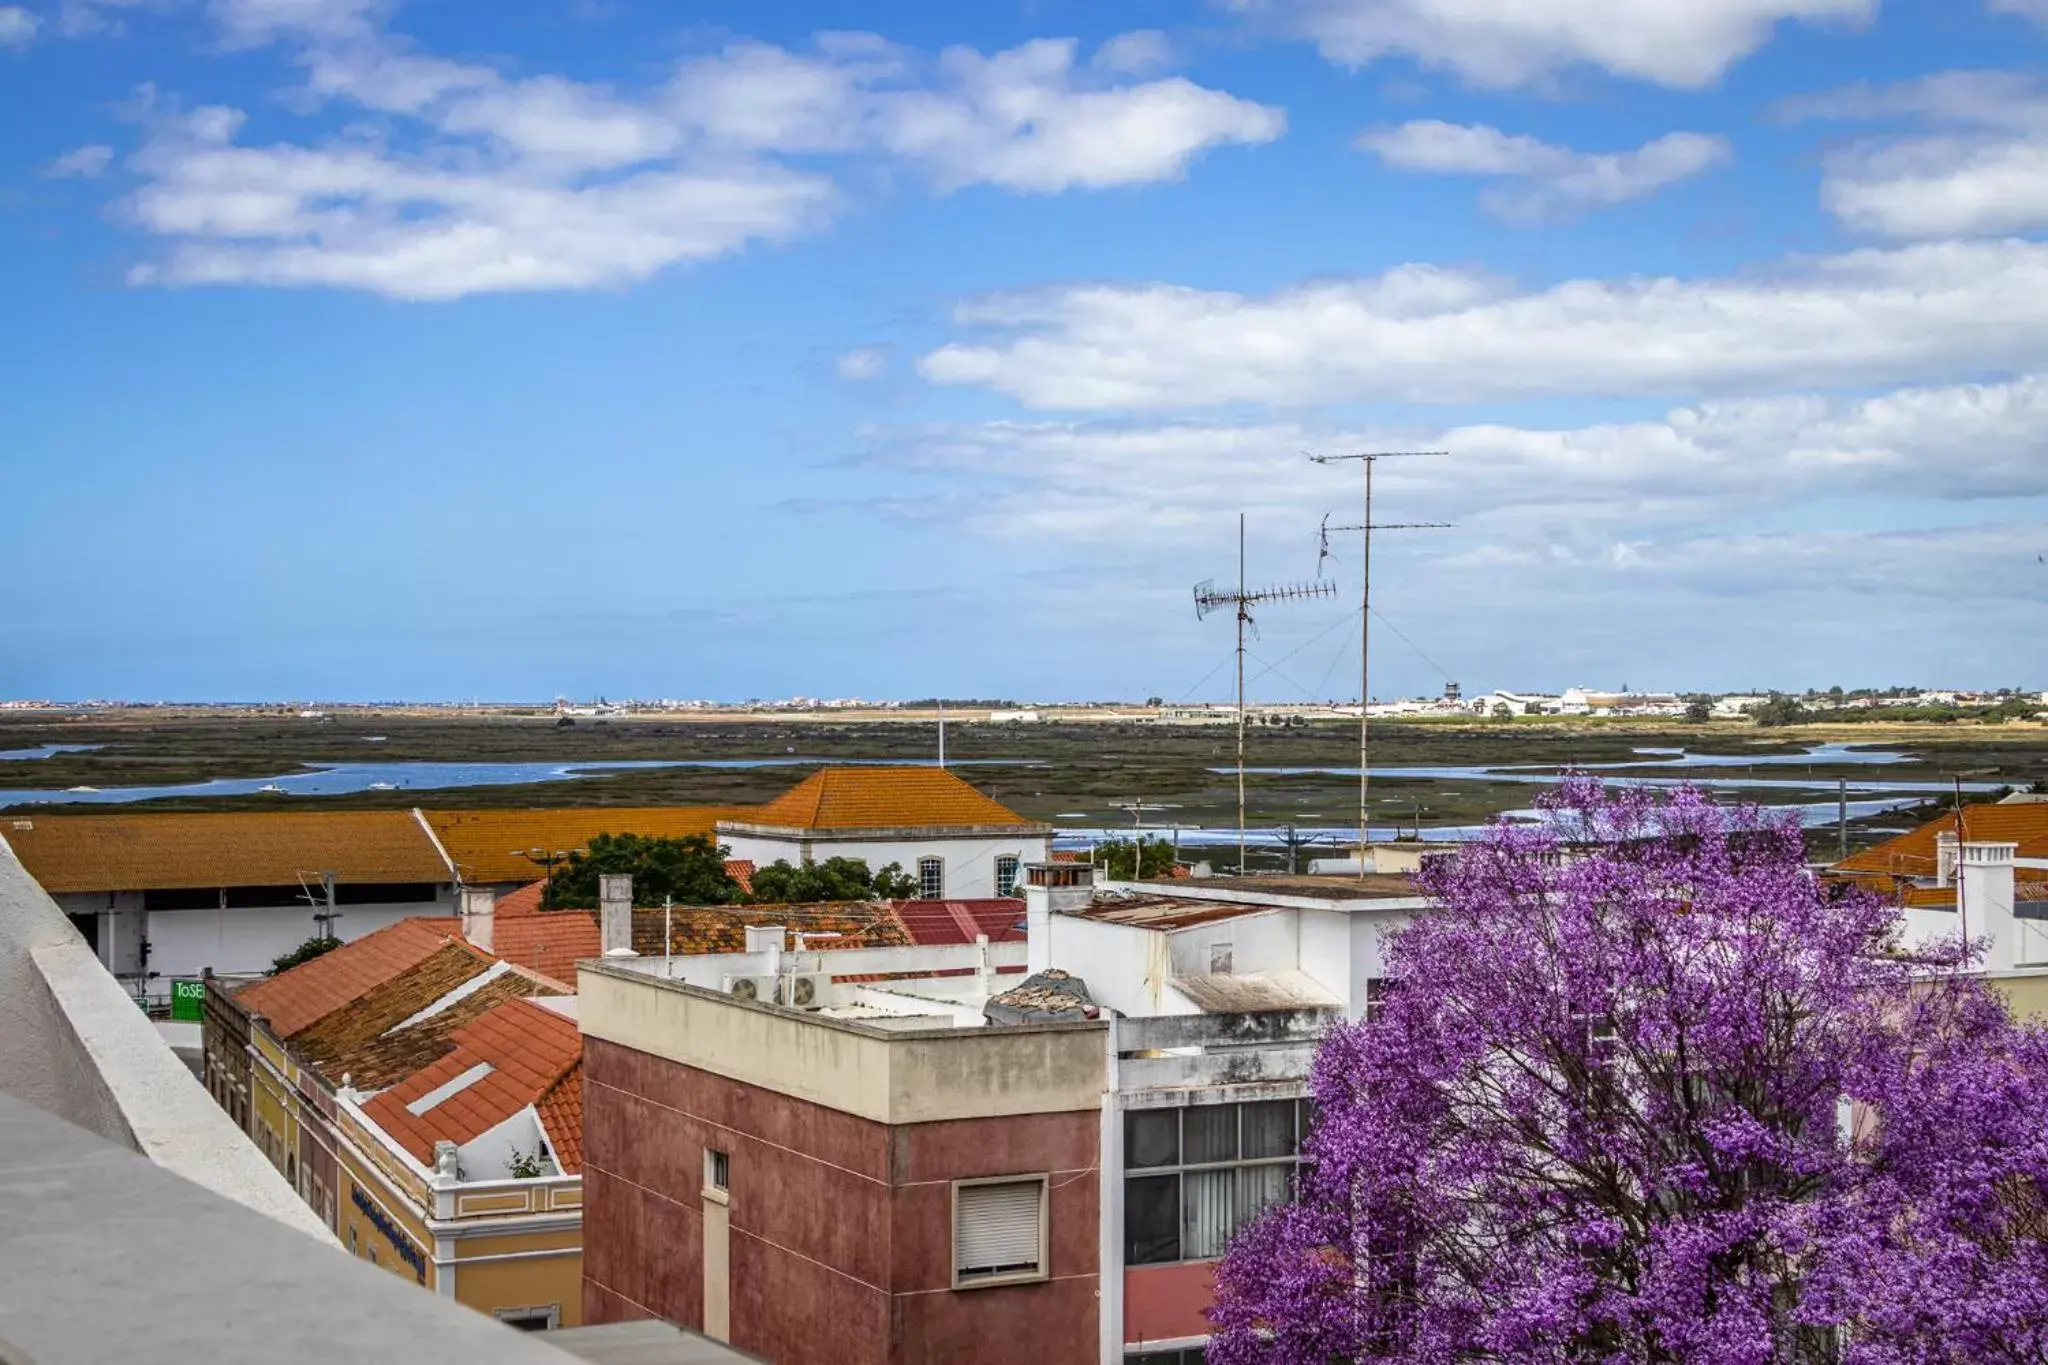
(188,1000)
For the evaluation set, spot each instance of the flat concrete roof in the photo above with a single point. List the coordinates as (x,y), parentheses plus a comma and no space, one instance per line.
(109,1257)
(647,1342)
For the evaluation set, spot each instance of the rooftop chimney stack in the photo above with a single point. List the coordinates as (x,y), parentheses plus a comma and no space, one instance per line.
(1049,889)
(615,914)
(479,913)
(1945,858)
(1987,892)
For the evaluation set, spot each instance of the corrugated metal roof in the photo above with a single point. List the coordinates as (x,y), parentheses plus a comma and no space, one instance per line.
(1255,992)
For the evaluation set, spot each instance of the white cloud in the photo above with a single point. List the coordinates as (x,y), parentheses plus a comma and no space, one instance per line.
(85,163)
(478,181)
(1498,44)
(17,26)
(1549,182)
(1984,170)
(1440,335)
(2037,10)
(1698,465)
(861,365)
(1137,53)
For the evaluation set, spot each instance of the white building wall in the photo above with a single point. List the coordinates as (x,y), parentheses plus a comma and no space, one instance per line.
(1268,942)
(1369,935)
(1325,937)
(970,863)
(1127,968)
(183,943)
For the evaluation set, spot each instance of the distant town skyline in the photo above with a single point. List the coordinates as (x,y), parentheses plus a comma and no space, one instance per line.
(364,350)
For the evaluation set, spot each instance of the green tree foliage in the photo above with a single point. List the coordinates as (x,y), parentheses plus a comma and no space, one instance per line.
(306,952)
(1502,711)
(1135,860)
(691,869)
(1699,710)
(1779,710)
(835,879)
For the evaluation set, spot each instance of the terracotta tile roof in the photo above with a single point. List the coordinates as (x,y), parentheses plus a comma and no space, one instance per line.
(1912,854)
(931,923)
(165,851)
(487,845)
(292,1000)
(723,928)
(882,798)
(561,1114)
(742,871)
(391,1057)
(331,1042)
(529,1050)
(550,942)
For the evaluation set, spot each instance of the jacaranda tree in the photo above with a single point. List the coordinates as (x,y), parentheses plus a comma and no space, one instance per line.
(1643,1091)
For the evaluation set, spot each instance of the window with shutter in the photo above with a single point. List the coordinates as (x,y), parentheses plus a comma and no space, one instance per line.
(998,1231)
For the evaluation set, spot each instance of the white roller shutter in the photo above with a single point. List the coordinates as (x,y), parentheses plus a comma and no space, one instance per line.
(996,1228)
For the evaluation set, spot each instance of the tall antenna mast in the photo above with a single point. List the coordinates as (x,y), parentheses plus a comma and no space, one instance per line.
(1366,528)
(1208,599)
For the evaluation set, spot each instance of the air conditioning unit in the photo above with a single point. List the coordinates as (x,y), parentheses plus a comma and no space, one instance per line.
(810,990)
(751,988)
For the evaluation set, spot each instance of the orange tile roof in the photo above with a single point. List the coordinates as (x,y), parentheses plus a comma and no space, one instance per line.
(529,1050)
(490,845)
(1912,854)
(742,871)
(171,850)
(882,798)
(391,1057)
(331,1043)
(561,1113)
(293,1000)
(550,942)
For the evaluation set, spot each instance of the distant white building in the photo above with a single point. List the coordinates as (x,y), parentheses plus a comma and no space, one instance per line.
(956,842)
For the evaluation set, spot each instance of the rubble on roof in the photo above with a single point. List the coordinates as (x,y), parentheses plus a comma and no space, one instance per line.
(1046,997)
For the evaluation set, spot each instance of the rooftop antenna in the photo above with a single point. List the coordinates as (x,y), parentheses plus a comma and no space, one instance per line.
(1365,528)
(1209,598)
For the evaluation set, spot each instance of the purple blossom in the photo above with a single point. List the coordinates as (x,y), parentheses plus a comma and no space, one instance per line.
(1645,1091)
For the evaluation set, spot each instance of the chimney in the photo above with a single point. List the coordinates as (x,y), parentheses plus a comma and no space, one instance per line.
(1986,894)
(1050,889)
(615,914)
(767,939)
(1945,858)
(479,912)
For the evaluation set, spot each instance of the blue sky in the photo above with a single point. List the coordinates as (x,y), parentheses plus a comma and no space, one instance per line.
(446,350)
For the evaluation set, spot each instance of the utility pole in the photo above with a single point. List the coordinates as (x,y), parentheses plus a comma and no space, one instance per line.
(1365,528)
(1208,599)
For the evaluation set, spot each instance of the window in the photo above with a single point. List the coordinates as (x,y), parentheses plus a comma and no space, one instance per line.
(270,897)
(1006,875)
(931,879)
(353,1249)
(717,1171)
(543,1317)
(386,893)
(998,1231)
(1219,959)
(1197,1175)
(1375,995)
(201,898)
